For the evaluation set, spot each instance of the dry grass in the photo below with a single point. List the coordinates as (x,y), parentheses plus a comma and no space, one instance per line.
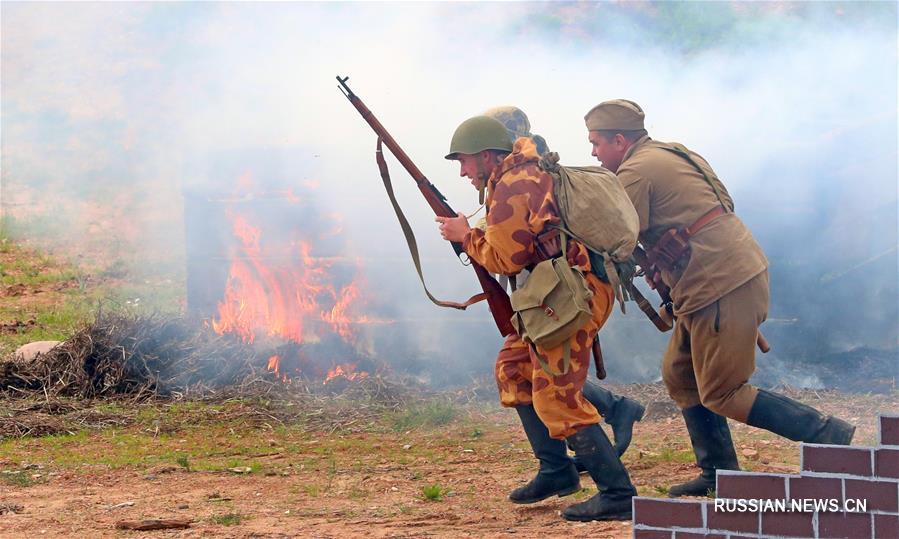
(141,356)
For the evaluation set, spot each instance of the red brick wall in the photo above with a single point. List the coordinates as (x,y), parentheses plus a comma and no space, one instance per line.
(828,473)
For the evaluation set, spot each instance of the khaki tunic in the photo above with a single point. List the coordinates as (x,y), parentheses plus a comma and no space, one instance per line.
(520,205)
(668,192)
(720,297)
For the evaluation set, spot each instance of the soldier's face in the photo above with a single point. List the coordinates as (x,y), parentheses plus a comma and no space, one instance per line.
(607,151)
(468,168)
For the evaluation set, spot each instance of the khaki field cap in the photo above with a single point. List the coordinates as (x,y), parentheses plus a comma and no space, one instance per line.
(477,134)
(617,114)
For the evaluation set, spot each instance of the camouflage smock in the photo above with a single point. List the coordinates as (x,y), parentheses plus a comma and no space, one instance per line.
(520,205)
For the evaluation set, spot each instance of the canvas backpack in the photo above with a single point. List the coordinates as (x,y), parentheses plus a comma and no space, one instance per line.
(596,211)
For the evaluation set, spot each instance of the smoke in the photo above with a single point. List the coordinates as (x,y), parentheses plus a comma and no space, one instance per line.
(793,104)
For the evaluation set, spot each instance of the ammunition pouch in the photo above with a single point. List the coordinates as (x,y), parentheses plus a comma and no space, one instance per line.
(671,251)
(551,306)
(548,244)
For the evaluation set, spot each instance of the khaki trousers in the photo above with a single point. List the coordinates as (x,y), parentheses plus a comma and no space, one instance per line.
(711,354)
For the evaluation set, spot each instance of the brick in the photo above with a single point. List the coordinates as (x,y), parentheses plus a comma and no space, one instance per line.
(886,463)
(693,535)
(819,488)
(836,459)
(886,526)
(844,525)
(642,533)
(732,520)
(880,495)
(889,430)
(668,513)
(751,486)
(788,524)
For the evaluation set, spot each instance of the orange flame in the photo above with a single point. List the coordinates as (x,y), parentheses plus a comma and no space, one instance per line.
(274,366)
(292,302)
(278,301)
(347,370)
(273,363)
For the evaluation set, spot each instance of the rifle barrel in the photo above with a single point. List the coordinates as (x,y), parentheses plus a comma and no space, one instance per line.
(497,299)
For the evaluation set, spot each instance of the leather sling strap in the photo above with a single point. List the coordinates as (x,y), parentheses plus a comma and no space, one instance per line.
(410,238)
(681,151)
(648,309)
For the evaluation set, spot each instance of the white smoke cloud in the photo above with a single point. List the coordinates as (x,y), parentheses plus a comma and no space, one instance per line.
(143,97)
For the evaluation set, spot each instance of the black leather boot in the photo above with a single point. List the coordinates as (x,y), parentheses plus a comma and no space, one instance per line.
(619,412)
(613,502)
(557,475)
(796,421)
(713,448)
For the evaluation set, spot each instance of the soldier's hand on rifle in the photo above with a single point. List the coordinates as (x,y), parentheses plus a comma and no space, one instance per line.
(453,228)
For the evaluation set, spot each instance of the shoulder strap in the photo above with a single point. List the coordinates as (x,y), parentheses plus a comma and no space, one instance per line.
(681,150)
(410,238)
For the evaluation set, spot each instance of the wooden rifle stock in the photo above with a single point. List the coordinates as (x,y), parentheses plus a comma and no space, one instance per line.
(497,299)
(655,282)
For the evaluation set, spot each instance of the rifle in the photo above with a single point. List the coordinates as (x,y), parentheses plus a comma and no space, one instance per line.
(654,278)
(494,293)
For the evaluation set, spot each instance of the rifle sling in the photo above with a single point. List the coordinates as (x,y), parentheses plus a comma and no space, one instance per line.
(648,309)
(410,238)
(681,151)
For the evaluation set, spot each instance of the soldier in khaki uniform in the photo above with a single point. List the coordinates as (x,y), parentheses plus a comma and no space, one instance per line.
(719,287)
(520,206)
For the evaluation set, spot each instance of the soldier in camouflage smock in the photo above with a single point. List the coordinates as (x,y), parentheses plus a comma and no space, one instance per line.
(618,411)
(719,287)
(520,206)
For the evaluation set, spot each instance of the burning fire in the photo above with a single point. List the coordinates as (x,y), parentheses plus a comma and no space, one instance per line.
(298,301)
(346,370)
(273,363)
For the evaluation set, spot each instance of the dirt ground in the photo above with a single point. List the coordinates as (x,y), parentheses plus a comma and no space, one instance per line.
(270,481)
(267,477)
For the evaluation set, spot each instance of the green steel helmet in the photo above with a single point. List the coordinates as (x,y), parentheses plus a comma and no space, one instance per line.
(477,134)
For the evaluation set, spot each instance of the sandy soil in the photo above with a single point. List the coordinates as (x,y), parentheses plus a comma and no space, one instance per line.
(369,486)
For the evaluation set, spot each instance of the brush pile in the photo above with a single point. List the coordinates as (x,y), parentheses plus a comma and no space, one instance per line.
(124,365)
(137,355)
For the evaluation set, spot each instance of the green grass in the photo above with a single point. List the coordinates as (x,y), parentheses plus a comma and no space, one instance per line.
(433,413)
(358,493)
(183,461)
(584,493)
(667,454)
(313,491)
(433,493)
(65,309)
(19,479)
(228,519)
(196,444)
(255,467)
